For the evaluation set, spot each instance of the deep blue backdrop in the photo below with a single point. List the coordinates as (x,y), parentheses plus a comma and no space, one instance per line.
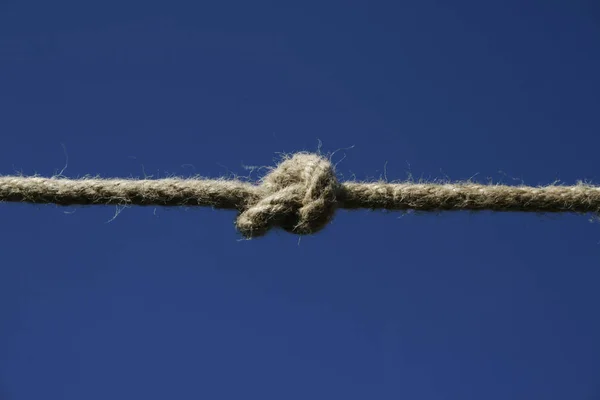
(163,304)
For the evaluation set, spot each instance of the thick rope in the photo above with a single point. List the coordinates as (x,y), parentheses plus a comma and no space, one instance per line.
(300,195)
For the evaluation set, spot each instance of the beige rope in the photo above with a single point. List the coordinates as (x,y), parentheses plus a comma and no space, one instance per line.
(300,195)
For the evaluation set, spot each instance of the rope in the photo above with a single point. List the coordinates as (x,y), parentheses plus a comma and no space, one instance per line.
(300,195)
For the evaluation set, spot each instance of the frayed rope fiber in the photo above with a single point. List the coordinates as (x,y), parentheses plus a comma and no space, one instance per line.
(300,195)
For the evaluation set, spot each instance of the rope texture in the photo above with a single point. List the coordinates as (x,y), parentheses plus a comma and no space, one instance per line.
(300,195)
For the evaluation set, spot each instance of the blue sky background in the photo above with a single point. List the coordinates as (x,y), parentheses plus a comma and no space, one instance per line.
(171,304)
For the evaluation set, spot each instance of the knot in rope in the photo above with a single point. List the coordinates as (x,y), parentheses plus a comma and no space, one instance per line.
(299,196)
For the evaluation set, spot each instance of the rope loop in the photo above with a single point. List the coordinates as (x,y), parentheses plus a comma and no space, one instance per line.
(299,196)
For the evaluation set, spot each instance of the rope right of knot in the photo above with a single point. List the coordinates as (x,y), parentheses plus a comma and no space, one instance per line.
(299,196)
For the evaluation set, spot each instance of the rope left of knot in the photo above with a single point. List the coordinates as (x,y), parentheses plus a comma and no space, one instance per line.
(299,196)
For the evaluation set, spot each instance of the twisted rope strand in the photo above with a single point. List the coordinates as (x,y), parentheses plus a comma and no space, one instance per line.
(300,195)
